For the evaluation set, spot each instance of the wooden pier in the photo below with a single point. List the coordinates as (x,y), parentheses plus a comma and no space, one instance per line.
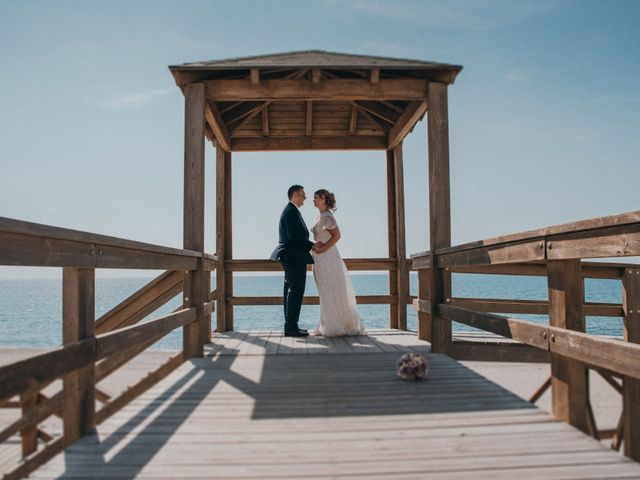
(256,404)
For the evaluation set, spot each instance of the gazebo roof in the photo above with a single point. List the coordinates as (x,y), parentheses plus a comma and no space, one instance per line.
(313,99)
(317,59)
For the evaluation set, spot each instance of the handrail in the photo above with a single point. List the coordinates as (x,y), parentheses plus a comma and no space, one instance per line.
(33,244)
(582,226)
(31,373)
(614,355)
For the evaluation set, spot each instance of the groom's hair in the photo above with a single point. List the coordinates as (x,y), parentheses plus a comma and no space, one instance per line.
(293,189)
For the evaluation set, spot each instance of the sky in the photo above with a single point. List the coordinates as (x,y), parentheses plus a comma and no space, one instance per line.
(544,119)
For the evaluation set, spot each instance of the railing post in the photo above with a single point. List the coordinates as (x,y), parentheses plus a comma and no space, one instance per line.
(631,386)
(439,211)
(29,436)
(424,319)
(193,227)
(569,378)
(78,322)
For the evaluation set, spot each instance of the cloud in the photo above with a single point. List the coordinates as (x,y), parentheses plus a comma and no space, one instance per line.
(463,14)
(134,100)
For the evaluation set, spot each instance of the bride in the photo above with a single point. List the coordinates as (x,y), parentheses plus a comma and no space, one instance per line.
(338,313)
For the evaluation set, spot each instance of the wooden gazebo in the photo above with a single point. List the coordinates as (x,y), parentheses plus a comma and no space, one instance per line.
(314,100)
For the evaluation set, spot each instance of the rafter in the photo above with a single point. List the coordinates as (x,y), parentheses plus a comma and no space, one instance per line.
(255,111)
(380,111)
(217,125)
(381,126)
(406,122)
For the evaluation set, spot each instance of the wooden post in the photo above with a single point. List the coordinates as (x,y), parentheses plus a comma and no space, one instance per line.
(193,230)
(569,380)
(403,273)
(393,248)
(78,321)
(228,243)
(631,386)
(424,319)
(29,435)
(439,211)
(221,311)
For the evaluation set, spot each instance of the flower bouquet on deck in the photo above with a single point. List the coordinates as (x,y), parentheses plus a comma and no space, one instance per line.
(412,366)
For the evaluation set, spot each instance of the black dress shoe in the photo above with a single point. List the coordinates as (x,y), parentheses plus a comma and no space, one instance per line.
(296,333)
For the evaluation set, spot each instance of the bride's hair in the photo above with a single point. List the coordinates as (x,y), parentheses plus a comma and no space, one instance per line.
(329,198)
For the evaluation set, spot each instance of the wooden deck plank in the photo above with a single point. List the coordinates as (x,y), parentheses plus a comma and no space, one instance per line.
(237,414)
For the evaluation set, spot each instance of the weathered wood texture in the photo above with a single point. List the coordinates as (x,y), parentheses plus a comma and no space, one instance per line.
(569,381)
(31,244)
(439,210)
(354,408)
(193,230)
(328,89)
(308,143)
(228,241)
(366,264)
(392,235)
(401,248)
(142,302)
(631,386)
(78,323)
(221,311)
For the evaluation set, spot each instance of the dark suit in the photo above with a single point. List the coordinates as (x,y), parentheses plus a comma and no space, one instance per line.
(293,252)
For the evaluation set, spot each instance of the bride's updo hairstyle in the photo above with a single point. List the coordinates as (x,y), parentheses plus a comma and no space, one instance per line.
(329,198)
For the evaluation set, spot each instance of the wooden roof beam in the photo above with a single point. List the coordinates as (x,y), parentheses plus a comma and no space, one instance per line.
(406,122)
(303,89)
(381,111)
(217,125)
(381,126)
(258,144)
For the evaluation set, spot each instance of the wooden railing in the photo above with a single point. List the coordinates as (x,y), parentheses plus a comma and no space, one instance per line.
(555,252)
(92,350)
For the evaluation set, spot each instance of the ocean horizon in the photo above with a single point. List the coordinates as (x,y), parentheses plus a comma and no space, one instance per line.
(31,309)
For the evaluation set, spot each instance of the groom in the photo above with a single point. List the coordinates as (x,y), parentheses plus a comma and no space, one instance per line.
(293,252)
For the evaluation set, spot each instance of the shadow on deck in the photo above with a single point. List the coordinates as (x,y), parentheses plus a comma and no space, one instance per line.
(272,407)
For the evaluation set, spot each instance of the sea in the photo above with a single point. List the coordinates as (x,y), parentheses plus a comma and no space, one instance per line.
(31,309)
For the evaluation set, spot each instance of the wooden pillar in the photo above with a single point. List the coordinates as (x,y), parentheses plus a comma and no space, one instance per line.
(631,386)
(193,230)
(424,319)
(569,380)
(228,243)
(439,211)
(78,321)
(403,273)
(393,248)
(221,311)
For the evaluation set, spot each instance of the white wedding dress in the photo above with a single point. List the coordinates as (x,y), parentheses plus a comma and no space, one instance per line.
(338,312)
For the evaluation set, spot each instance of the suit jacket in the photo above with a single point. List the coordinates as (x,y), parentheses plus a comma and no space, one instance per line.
(294,245)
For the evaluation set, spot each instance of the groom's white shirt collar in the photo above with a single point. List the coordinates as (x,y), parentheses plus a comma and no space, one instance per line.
(294,205)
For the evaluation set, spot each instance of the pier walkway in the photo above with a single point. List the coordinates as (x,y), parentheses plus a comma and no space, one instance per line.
(260,405)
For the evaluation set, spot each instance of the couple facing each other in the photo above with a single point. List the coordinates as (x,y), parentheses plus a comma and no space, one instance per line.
(338,313)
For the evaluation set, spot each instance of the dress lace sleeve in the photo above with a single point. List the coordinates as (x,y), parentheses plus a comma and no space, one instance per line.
(329,221)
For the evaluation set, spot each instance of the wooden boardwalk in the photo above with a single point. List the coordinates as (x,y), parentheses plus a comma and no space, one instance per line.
(265,406)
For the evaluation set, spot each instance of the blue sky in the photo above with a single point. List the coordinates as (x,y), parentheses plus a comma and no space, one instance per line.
(544,118)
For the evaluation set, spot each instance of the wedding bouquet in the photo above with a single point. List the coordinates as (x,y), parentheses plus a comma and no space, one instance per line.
(412,366)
